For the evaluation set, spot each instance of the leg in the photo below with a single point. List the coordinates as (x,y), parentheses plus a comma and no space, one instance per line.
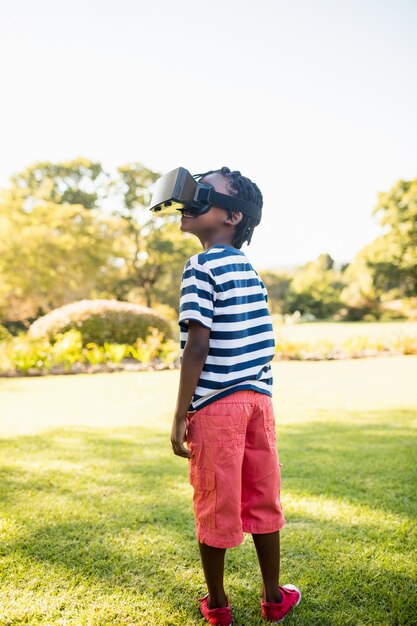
(268,551)
(213,566)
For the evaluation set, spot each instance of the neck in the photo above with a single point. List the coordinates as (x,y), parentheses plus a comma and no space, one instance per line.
(207,243)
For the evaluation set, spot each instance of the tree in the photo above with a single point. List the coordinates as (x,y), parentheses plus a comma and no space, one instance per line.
(386,269)
(71,230)
(393,256)
(56,245)
(316,288)
(159,250)
(54,254)
(277,285)
(80,181)
(359,293)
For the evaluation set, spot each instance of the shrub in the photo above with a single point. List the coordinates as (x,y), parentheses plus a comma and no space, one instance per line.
(66,350)
(147,350)
(115,352)
(24,355)
(169,353)
(4,334)
(352,347)
(95,354)
(101,321)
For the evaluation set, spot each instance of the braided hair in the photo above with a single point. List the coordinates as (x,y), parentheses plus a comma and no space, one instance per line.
(243,188)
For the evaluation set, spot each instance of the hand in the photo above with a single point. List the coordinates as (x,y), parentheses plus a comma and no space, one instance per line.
(178,437)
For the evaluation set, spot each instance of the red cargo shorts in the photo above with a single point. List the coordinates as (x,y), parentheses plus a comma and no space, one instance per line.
(234,468)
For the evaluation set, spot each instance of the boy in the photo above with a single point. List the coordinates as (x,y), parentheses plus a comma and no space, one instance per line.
(224,407)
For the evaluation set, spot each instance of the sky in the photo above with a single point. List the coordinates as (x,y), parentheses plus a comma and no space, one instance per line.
(313,101)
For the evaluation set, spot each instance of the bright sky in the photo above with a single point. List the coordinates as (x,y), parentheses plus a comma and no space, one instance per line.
(314,101)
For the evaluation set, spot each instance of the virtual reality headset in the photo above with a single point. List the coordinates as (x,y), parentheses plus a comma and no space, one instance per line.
(179,190)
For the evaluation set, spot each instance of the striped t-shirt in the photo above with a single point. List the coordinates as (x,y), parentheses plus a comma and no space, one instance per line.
(222,291)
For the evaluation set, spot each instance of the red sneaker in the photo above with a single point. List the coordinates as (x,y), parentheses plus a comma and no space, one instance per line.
(220,617)
(275,612)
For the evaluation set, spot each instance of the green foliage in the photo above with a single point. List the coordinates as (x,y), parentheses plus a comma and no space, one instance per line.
(101,321)
(158,250)
(54,254)
(79,181)
(145,350)
(386,269)
(394,260)
(66,349)
(359,293)
(277,285)
(4,334)
(115,352)
(315,289)
(59,243)
(26,355)
(136,181)
(95,354)
(168,249)
(169,351)
(327,341)
(153,347)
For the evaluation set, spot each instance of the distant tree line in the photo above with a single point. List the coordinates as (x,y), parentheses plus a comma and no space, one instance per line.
(380,282)
(71,231)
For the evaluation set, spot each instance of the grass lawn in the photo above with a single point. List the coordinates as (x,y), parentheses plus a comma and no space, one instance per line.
(96,522)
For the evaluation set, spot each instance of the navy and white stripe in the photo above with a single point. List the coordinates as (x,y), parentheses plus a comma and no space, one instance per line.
(221,290)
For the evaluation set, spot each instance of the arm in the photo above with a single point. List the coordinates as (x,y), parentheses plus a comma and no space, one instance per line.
(193,359)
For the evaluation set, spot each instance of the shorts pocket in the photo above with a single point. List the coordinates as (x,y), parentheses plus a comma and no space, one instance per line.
(204,500)
(224,434)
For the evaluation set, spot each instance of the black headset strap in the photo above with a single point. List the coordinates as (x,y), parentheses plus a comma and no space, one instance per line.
(234,204)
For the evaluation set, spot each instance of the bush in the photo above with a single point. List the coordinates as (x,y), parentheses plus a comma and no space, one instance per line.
(4,334)
(66,350)
(101,321)
(349,348)
(154,348)
(27,356)
(147,350)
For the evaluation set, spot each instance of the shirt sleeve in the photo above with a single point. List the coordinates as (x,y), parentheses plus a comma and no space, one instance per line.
(197,295)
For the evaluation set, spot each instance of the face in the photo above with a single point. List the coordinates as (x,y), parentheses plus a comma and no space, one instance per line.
(215,225)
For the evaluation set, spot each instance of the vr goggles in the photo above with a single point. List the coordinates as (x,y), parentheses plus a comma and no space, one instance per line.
(179,190)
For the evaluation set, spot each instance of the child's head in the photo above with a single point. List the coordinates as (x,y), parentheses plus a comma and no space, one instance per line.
(241,187)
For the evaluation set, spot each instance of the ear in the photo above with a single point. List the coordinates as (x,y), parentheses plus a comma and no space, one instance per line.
(234,220)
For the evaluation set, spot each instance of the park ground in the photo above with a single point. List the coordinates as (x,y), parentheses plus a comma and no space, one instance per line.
(96,522)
